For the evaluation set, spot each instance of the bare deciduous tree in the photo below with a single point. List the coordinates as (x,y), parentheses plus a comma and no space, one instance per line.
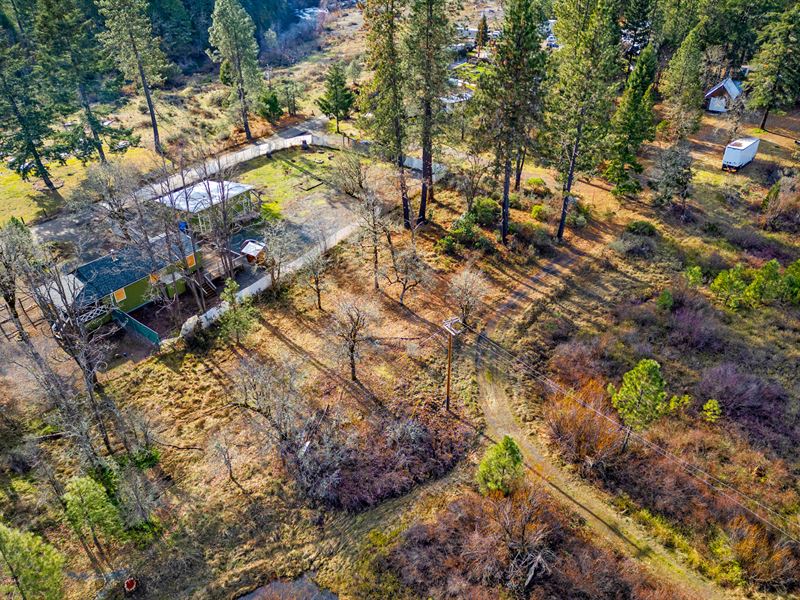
(351,322)
(314,272)
(279,242)
(467,290)
(408,268)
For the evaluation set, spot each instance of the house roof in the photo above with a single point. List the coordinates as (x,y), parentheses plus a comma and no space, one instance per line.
(203,195)
(109,273)
(733,88)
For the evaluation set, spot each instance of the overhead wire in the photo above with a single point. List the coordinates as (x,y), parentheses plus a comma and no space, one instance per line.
(709,480)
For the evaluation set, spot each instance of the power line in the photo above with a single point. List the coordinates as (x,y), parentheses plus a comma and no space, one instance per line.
(689,468)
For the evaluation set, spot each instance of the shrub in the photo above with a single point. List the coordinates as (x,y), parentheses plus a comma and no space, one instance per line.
(501,467)
(712,411)
(541,212)
(693,276)
(641,228)
(696,328)
(634,245)
(759,405)
(486,211)
(515,201)
(665,301)
(537,187)
(791,283)
(730,286)
(585,438)
(447,245)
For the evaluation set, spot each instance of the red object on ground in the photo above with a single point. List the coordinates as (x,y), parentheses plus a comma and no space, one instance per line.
(130,585)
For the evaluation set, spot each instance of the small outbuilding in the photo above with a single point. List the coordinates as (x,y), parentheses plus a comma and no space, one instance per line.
(197,203)
(720,98)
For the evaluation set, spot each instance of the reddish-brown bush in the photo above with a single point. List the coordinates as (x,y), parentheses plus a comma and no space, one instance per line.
(768,562)
(696,329)
(584,437)
(758,405)
(489,547)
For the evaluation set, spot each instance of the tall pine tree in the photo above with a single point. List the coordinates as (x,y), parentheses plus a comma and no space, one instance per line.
(775,81)
(632,124)
(66,37)
(232,35)
(509,93)
(580,98)
(33,567)
(427,58)
(482,35)
(27,113)
(130,42)
(338,99)
(682,85)
(385,95)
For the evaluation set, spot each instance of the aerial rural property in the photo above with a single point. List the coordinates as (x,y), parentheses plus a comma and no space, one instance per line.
(399,299)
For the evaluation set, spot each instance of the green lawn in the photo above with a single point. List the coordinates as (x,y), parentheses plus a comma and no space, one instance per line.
(22,199)
(287,175)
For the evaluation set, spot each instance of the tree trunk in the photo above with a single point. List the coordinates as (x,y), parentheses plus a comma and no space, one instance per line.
(519,167)
(375,266)
(353,364)
(627,437)
(764,118)
(148,98)
(427,161)
(401,174)
(13,574)
(570,178)
(41,170)
(92,121)
(506,188)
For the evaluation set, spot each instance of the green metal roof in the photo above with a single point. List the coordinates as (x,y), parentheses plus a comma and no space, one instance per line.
(128,265)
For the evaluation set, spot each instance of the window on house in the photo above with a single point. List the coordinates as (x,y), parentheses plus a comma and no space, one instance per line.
(120,295)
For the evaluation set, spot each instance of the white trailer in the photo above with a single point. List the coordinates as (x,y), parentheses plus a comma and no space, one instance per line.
(739,153)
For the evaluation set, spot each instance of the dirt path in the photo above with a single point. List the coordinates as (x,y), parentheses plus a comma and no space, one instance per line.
(619,531)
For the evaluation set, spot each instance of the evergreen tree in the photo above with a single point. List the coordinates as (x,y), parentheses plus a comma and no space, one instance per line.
(384,97)
(632,124)
(501,467)
(775,80)
(289,93)
(637,24)
(27,113)
(240,316)
(580,98)
(676,175)
(682,85)
(172,25)
(232,36)
(129,40)
(509,93)
(23,13)
(33,568)
(641,399)
(427,59)
(67,38)
(676,19)
(91,513)
(482,35)
(269,105)
(338,99)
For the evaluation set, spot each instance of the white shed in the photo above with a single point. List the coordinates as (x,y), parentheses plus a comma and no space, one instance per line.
(720,97)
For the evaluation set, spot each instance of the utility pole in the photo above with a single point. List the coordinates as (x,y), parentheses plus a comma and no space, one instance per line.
(450,326)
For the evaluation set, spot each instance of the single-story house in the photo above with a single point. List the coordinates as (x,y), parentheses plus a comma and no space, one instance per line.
(124,279)
(197,203)
(720,97)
